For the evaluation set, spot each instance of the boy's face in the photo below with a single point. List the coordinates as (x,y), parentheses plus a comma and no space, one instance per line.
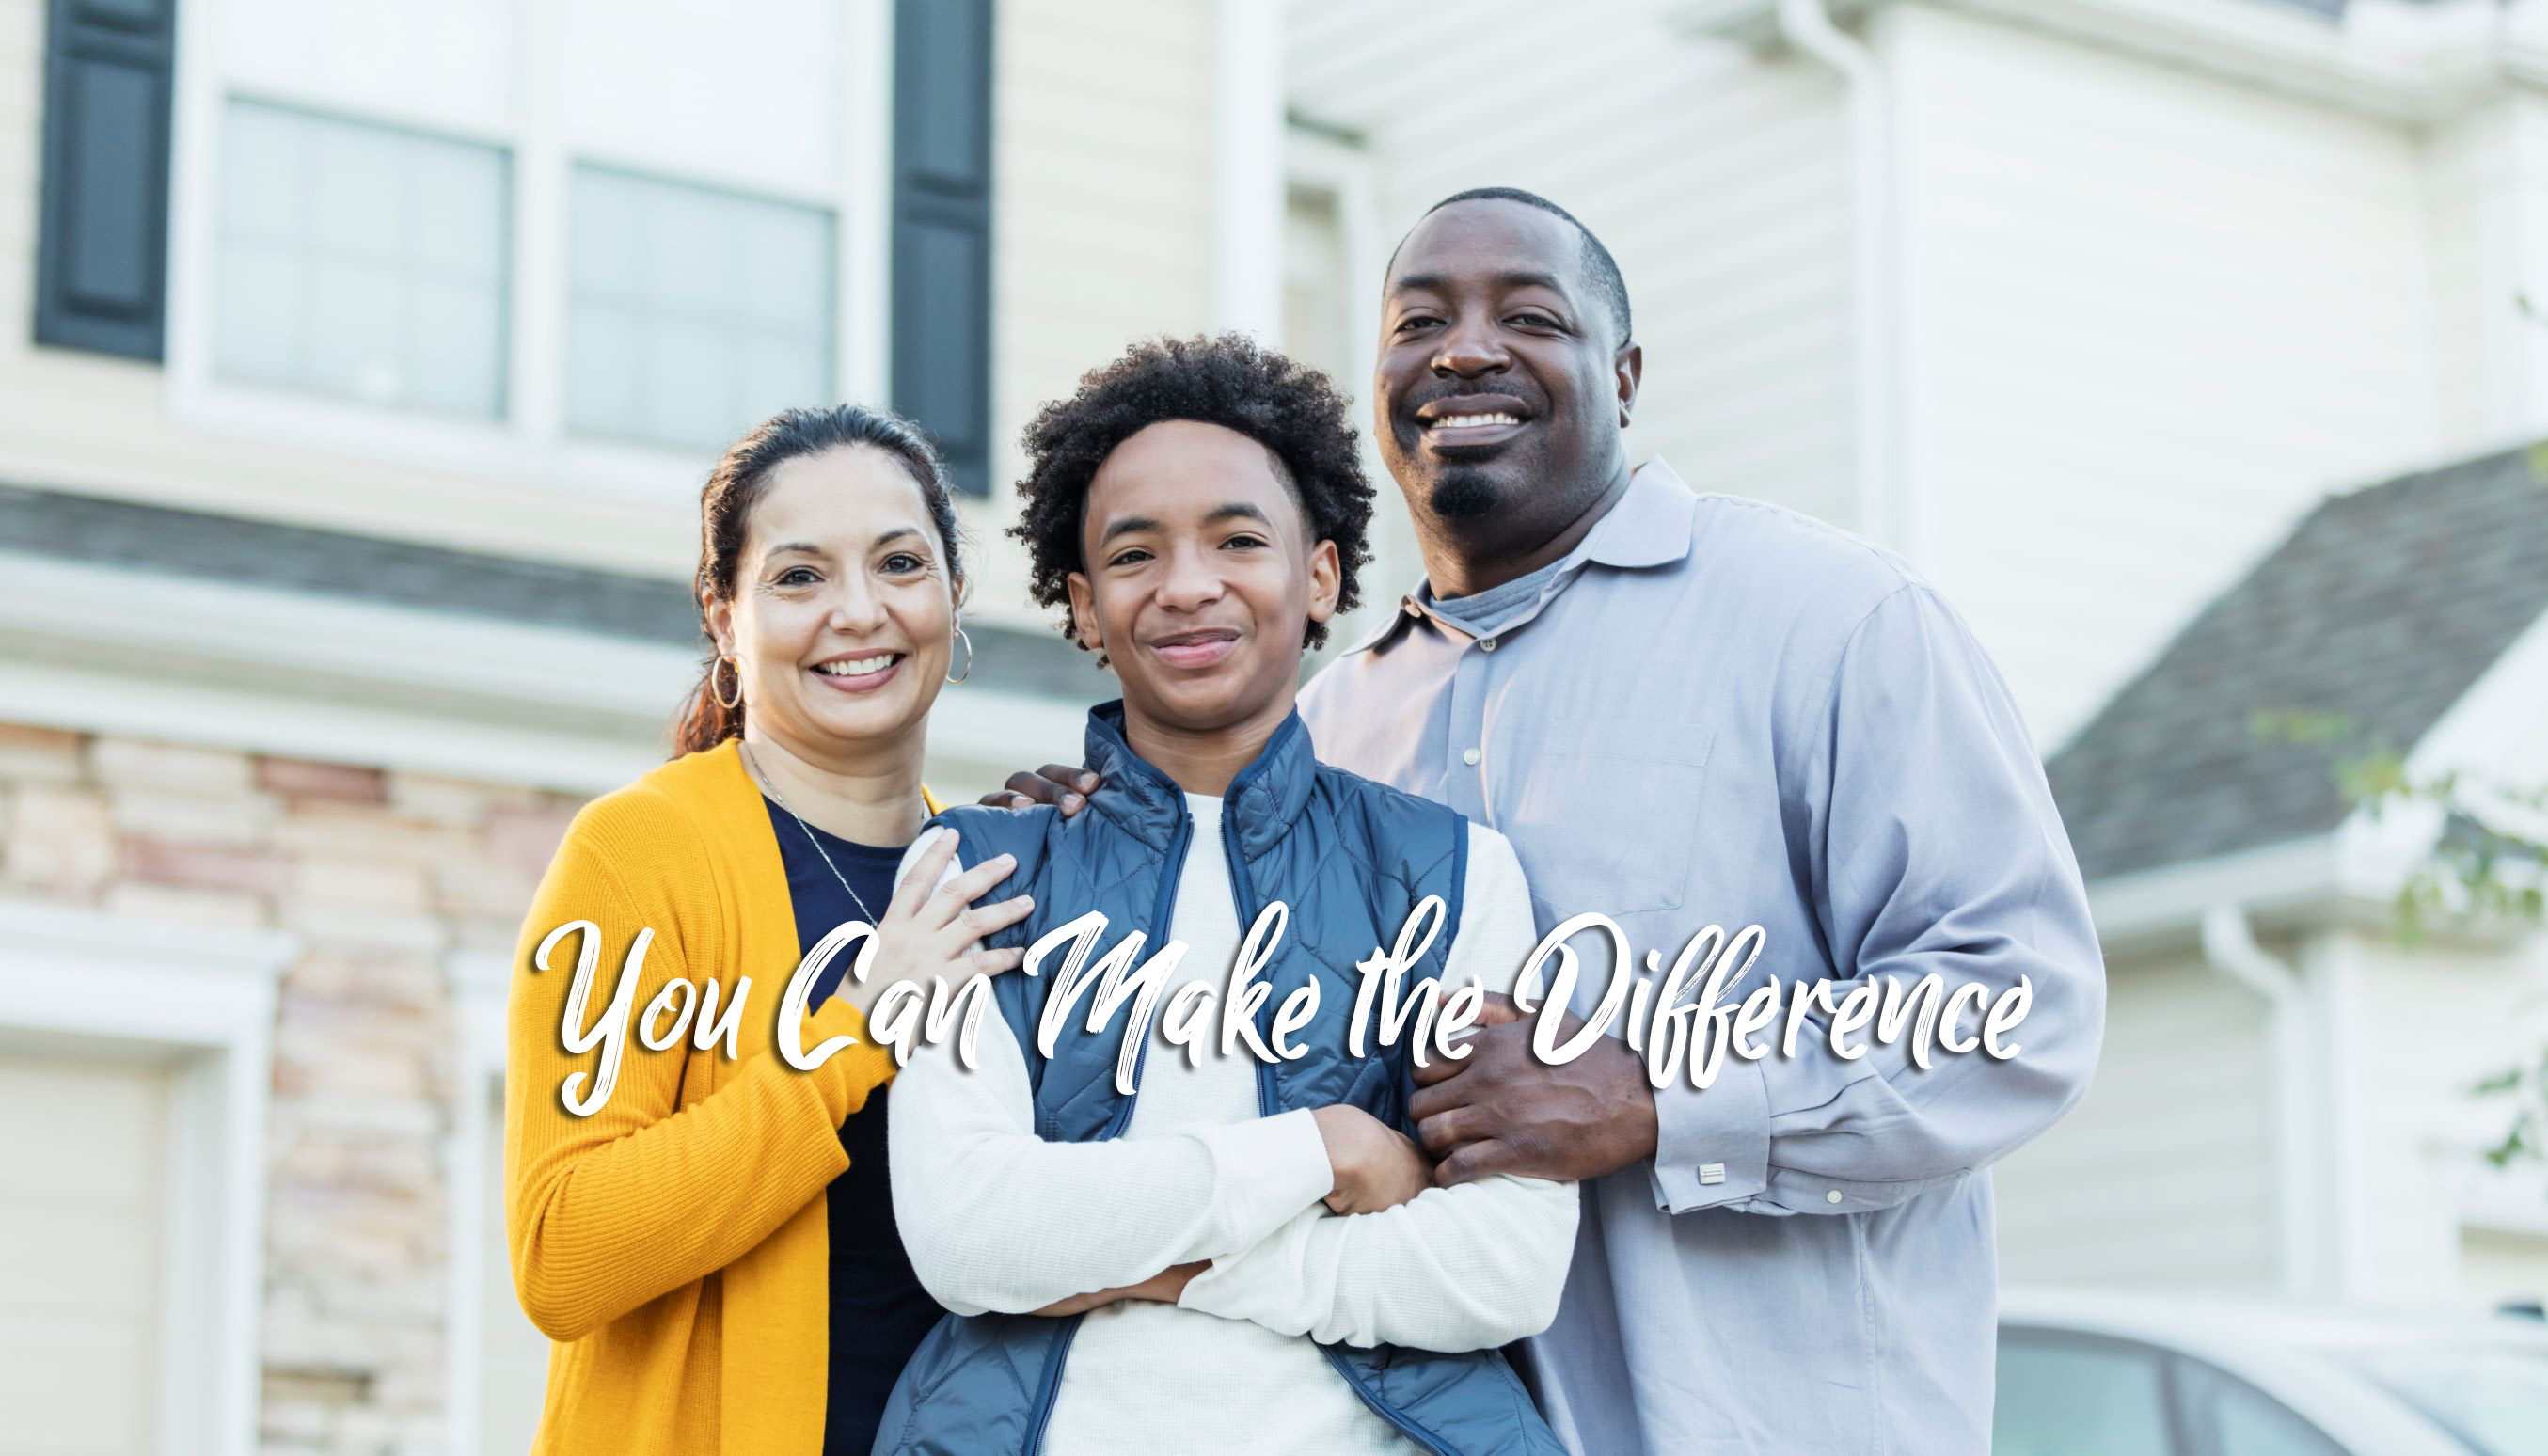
(1198,578)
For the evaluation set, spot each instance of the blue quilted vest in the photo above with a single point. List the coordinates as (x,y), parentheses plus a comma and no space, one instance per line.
(1352,858)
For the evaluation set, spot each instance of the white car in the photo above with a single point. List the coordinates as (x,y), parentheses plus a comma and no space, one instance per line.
(2084,1374)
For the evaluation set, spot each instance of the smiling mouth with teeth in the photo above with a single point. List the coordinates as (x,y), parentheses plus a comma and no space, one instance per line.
(858,667)
(1474,421)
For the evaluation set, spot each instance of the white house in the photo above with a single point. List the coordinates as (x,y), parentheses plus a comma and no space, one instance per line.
(2077,303)
(360,370)
(2284,1102)
(2085,306)
(362,363)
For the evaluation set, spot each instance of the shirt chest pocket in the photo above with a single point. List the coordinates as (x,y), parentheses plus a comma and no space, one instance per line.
(1618,800)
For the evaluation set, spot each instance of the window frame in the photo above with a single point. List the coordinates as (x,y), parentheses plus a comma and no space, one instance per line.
(2172,1364)
(2172,1407)
(202,1001)
(581,165)
(528,444)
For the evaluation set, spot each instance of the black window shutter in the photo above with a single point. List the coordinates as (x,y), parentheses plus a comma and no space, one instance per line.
(942,228)
(102,254)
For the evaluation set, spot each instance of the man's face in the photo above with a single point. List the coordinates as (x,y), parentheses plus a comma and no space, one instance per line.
(1199,577)
(1501,384)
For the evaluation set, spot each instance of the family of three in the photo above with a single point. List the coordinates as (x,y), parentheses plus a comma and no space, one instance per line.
(1607,693)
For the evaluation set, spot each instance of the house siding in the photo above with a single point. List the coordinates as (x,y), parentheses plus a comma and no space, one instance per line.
(1719,183)
(2163,1177)
(2149,316)
(1101,222)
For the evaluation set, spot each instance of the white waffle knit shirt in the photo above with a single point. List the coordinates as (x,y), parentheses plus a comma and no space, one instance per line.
(996,1219)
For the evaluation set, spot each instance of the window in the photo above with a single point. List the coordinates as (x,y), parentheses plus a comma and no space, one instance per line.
(694,311)
(361,262)
(2226,1416)
(2070,1397)
(573,245)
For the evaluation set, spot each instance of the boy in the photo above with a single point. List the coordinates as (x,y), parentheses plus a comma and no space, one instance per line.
(1165,1271)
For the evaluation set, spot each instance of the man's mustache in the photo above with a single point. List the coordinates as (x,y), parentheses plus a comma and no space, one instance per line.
(1407,406)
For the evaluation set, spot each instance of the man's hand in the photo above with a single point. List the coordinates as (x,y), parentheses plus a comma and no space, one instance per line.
(1162,1288)
(1064,787)
(1502,1110)
(1376,1167)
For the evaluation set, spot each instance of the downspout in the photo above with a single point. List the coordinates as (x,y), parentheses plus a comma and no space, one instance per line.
(1882,514)
(2230,946)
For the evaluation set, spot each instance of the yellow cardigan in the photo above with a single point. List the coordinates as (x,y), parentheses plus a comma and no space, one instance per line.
(673,1243)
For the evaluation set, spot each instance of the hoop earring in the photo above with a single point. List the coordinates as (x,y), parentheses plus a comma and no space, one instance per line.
(720,697)
(969,655)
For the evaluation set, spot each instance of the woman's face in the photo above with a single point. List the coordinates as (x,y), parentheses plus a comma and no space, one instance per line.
(843,615)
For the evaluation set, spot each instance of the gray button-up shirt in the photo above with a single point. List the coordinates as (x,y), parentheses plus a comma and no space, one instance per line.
(1721,713)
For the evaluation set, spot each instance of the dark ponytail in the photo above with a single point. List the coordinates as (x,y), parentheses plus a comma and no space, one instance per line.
(736,486)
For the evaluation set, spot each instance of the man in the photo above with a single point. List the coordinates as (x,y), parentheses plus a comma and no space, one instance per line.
(1687,710)
(1195,514)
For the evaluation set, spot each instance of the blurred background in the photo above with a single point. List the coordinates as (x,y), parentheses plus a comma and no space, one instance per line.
(363,360)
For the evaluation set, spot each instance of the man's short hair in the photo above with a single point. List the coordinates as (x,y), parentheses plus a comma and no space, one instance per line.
(1598,265)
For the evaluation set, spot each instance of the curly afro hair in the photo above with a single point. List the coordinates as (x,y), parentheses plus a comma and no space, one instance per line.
(1230,381)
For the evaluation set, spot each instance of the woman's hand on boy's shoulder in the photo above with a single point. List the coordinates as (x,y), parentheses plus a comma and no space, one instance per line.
(1064,787)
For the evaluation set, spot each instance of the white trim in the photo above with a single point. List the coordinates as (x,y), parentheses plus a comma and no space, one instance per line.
(2509,1200)
(1882,513)
(2169,899)
(528,444)
(2330,969)
(478,984)
(543,180)
(1247,167)
(863,330)
(207,996)
(266,671)
(2386,59)
(1345,174)
(183,619)
(335,732)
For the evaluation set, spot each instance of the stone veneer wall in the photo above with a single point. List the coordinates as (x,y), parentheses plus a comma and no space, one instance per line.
(382,875)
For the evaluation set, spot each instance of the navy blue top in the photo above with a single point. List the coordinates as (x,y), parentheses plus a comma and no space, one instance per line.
(878,1311)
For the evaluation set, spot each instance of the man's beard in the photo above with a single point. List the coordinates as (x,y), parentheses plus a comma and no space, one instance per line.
(1463,493)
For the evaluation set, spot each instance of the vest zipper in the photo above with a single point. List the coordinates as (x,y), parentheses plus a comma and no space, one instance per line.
(1239,891)
(1413,1432)
(1161,915)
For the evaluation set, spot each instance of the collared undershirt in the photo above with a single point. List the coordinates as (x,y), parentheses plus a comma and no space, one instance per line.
(1482,613)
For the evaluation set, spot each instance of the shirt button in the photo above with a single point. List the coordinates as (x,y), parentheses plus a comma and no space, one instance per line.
(1413,610)
(1485,644)
(1469,756)
(1832,1196)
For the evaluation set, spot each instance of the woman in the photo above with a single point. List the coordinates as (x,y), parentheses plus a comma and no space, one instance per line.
(713,1249)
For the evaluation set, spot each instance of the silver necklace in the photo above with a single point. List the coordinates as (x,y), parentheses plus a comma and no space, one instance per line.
(771,789)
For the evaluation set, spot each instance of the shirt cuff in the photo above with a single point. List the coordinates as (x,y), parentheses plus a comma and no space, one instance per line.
(1273,1167)
(1253,1283)
(1712,1143)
